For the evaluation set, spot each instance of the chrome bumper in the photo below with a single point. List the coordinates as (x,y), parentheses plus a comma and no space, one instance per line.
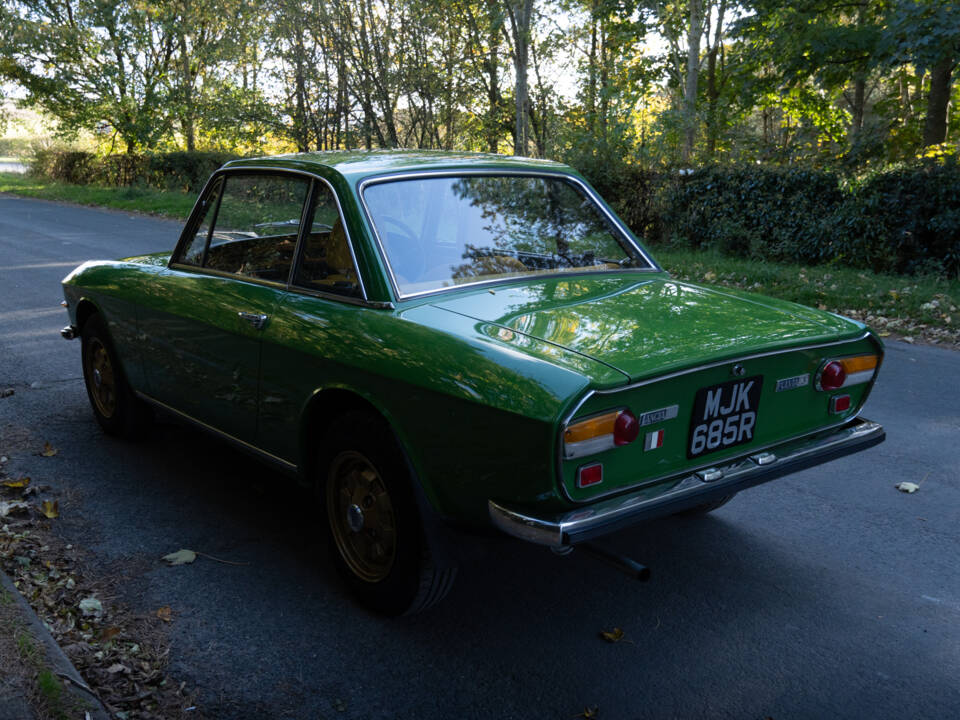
(606,516)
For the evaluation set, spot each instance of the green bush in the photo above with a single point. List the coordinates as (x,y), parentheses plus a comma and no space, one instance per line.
(761,212)
(904,220)
(184,171)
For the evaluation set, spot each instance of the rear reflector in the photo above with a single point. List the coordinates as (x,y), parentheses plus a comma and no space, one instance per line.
(839,404)
(590,475)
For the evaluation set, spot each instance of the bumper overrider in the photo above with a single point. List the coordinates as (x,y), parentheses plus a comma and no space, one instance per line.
(606,516)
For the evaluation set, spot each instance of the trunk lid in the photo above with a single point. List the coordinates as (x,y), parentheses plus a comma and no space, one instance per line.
(646,327)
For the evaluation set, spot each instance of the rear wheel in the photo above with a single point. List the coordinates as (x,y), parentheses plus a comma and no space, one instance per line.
(116,408)
(707,507)
(377,540)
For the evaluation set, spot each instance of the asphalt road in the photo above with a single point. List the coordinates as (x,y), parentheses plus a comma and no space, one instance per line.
(824,594)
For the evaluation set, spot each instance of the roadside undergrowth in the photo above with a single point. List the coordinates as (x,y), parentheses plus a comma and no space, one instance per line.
(915,309)
(122,656)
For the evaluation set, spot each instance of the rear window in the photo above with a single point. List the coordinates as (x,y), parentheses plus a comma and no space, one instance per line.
(440,232)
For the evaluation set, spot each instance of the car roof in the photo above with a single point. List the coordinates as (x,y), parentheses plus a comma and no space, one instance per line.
(356,165)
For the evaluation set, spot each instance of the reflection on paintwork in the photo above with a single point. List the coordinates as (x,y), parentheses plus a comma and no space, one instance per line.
(645,327)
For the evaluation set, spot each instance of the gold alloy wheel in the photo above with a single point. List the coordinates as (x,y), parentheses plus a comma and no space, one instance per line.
(103,382)
(361,516)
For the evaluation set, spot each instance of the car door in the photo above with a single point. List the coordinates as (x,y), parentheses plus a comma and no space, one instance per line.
(317,328)
(203,322)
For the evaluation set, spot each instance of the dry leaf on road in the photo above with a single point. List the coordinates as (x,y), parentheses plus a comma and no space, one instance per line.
(8,507)
(91,607)
(180,557)
(612,636)
(49,450)
(18,483)
(50,510)
(165,613)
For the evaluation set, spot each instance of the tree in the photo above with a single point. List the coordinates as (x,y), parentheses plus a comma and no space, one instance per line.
(97,66)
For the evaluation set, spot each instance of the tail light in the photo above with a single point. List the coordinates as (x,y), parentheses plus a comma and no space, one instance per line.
(599,433)
(844,372)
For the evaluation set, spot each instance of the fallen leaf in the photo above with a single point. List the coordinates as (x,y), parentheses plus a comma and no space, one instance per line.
(50,510)
(612,636)
(109,634)
(117,667)
(590,713)
(9,507)
(165,613)
(49,450)
(19,483)
(180,557)
(710,276)
(91,607)
(907,487)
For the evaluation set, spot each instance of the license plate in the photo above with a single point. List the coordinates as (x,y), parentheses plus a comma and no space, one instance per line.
(724,416)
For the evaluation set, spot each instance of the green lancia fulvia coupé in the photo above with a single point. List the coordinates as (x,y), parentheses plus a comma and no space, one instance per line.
(439,341)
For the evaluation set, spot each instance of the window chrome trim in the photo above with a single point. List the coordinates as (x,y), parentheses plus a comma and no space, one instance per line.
(261,169)
(617,224)
(565,423)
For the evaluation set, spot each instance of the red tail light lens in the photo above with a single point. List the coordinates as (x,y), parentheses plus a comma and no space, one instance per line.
(626,428)
(832,376)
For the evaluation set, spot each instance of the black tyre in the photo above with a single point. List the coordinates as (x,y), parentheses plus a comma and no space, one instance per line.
(706,507)
(376,534)
(116,408)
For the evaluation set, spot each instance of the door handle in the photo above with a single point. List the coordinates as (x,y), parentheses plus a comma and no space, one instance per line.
(258,320)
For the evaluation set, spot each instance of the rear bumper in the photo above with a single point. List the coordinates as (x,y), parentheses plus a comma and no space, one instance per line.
(606,516)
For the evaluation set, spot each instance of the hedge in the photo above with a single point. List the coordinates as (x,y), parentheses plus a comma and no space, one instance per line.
(904,220)
(185,171)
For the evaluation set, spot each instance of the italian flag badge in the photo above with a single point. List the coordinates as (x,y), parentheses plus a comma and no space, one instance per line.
(653,440)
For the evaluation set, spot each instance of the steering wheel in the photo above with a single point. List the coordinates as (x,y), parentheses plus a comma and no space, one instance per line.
(405,249)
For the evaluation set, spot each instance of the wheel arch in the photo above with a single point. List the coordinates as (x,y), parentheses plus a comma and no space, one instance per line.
(323,409)
(86,308)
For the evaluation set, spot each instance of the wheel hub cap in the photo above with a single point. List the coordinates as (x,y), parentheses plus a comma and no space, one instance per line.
(355,518)
(97,378)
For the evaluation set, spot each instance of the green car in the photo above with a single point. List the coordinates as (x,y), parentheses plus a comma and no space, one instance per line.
(441,342)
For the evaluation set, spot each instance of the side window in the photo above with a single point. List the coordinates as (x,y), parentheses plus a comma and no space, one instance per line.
(326,263)
(255,231)
(193,253)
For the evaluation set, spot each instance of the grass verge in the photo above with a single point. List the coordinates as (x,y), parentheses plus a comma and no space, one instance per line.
(167,203)
(911,308)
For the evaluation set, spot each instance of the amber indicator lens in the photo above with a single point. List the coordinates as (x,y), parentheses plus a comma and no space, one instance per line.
(860,363)
(594,427)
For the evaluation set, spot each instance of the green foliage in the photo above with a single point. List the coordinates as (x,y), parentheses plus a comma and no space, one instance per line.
(185,171)
(904,220)
(761,212)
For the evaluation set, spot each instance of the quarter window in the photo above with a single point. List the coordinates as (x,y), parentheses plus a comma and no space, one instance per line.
(326,263)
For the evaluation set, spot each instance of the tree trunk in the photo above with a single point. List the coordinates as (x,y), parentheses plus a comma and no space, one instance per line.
(520,15)
(713,92)
(690,87)
(187,113)
(935,128)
